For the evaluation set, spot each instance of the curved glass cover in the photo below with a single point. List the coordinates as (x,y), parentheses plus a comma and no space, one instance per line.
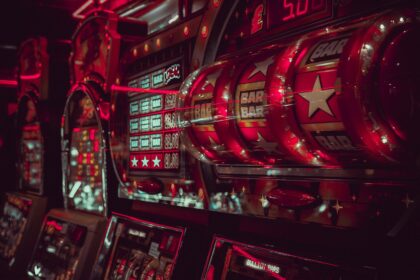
(30,148)
(85,159)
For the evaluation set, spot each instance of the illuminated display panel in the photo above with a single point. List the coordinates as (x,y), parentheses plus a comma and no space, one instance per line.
(152,125)
(31,157)
(145,135)
(231,260)
(85,160)
(13,220)
(58,250)
(30,163)
(285,14)
(141,250)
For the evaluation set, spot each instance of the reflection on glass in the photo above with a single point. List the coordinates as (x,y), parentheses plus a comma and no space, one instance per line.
(13,220)
(30,149)
(57,254)
(31,157)
(141,250)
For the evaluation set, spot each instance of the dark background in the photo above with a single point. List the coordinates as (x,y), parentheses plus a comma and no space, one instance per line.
(20,19)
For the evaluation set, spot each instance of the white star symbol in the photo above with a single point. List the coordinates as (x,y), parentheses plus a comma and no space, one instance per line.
(156,162)
(262,67)
(144,162)
(318,98)
(407,201)
(337,207)
(134,162)
(211,79)
(266,146)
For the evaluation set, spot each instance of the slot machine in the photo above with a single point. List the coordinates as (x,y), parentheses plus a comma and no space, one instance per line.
(289,132)
(149,162)
(42,83)
(70,237)
(308,129)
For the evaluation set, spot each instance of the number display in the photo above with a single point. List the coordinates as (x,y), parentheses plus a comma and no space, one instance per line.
(298,8)
(295,13)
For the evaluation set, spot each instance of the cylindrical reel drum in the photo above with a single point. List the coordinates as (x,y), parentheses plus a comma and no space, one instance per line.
(83,132)
(241,105)
(346,95)
(198,118)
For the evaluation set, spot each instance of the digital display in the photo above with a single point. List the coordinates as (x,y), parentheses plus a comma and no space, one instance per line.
(30,146)
(162,77)
(154,135)
(85,191)
(31,157)
(291,13)
(142,251)
(231,260)
(12,224)
(84,157)
(58,250)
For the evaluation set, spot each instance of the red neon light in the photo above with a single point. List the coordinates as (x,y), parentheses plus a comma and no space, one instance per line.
(30,77)
(54,225)
(8,83)
(143,90)
(254,259)
(186,31)
(293,9)
(92,134)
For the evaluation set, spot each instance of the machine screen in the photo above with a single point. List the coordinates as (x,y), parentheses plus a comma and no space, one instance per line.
(30,147)
(230,260)
(145,136)
(57,254)
(291,12)
(141,250)
(85,184)
(31,155)
(154,136)
(12,224)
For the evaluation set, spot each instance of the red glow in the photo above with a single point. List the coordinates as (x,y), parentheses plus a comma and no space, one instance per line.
(204,31)
(257,19)
(297,8)
(96,146)
(104,110)
(92,134)
(216,3)
(143,90)
(54,224)
(30,77)
(186,31)
(8,83)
